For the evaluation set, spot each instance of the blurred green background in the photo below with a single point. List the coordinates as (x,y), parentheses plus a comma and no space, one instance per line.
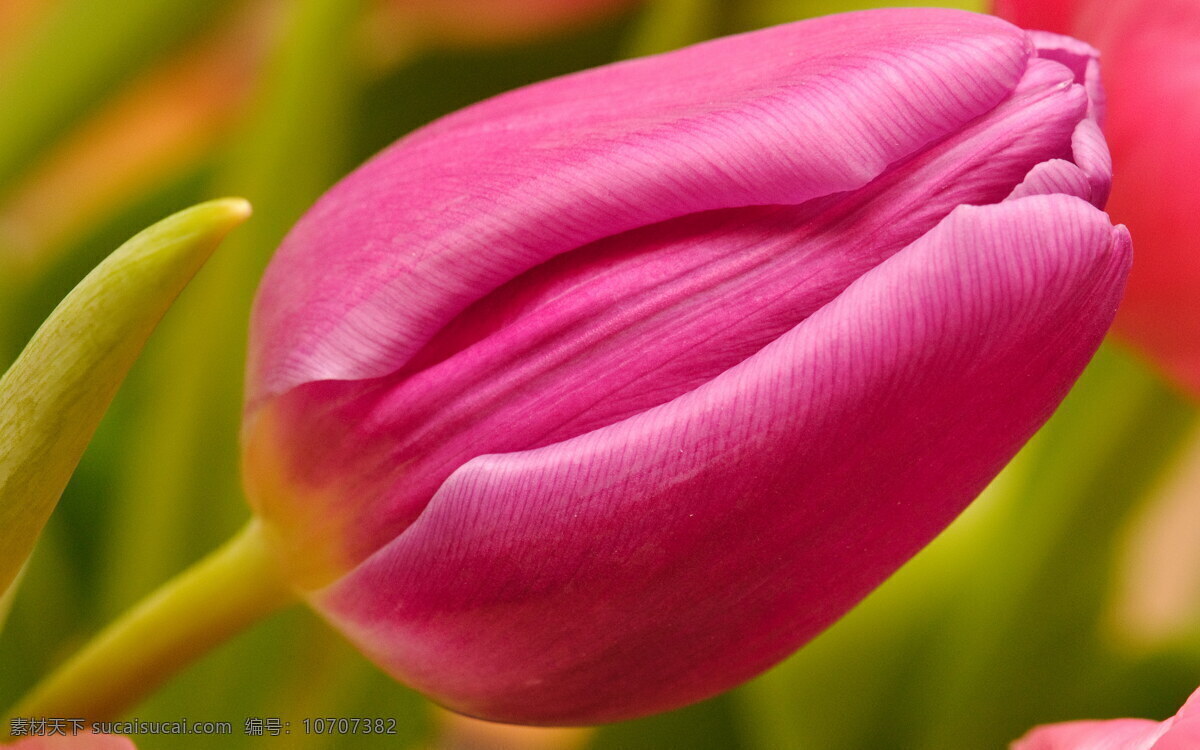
(1063,593)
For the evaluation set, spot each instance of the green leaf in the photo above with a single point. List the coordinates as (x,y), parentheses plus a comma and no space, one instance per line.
(54,395)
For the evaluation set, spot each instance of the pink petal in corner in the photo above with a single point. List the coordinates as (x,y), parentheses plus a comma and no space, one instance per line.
(1180,732)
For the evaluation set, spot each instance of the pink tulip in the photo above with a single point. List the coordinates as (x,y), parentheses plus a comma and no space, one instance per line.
(1180,732)
(1151,53)
(602,396)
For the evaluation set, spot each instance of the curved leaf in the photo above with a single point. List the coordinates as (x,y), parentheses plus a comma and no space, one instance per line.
(54,395)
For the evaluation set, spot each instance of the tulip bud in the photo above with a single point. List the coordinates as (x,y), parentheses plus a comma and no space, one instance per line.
(604,395)
(1180,732)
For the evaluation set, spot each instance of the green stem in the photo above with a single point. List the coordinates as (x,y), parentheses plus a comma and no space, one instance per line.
(218,597)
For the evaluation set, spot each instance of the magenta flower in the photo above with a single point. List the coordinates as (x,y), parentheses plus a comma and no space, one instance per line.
(606,394)
(1180,732)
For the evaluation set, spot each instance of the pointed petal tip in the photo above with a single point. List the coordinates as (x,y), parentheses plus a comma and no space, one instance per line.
(1122,237)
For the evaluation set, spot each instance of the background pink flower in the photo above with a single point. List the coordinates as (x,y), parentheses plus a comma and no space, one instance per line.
(1151,59)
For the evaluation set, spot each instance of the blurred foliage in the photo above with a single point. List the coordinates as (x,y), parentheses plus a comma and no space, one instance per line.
(995,627)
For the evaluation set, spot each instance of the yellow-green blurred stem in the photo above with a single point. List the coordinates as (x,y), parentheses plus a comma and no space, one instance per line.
(218,597)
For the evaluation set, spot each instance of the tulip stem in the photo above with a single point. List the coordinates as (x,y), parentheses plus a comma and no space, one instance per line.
(218,597)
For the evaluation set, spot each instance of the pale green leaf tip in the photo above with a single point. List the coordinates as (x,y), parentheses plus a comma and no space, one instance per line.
(216,218)
(222,211)
(54,395)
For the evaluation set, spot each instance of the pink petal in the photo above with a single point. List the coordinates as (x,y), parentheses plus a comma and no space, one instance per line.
(459,208)
(1090,152)
(615,328)
(1081,58)
(1087,175)
(1191,708)
(1184,733)
(547,585)
(1056,176)
(1117,734)
(1088,172)
(1180,732)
